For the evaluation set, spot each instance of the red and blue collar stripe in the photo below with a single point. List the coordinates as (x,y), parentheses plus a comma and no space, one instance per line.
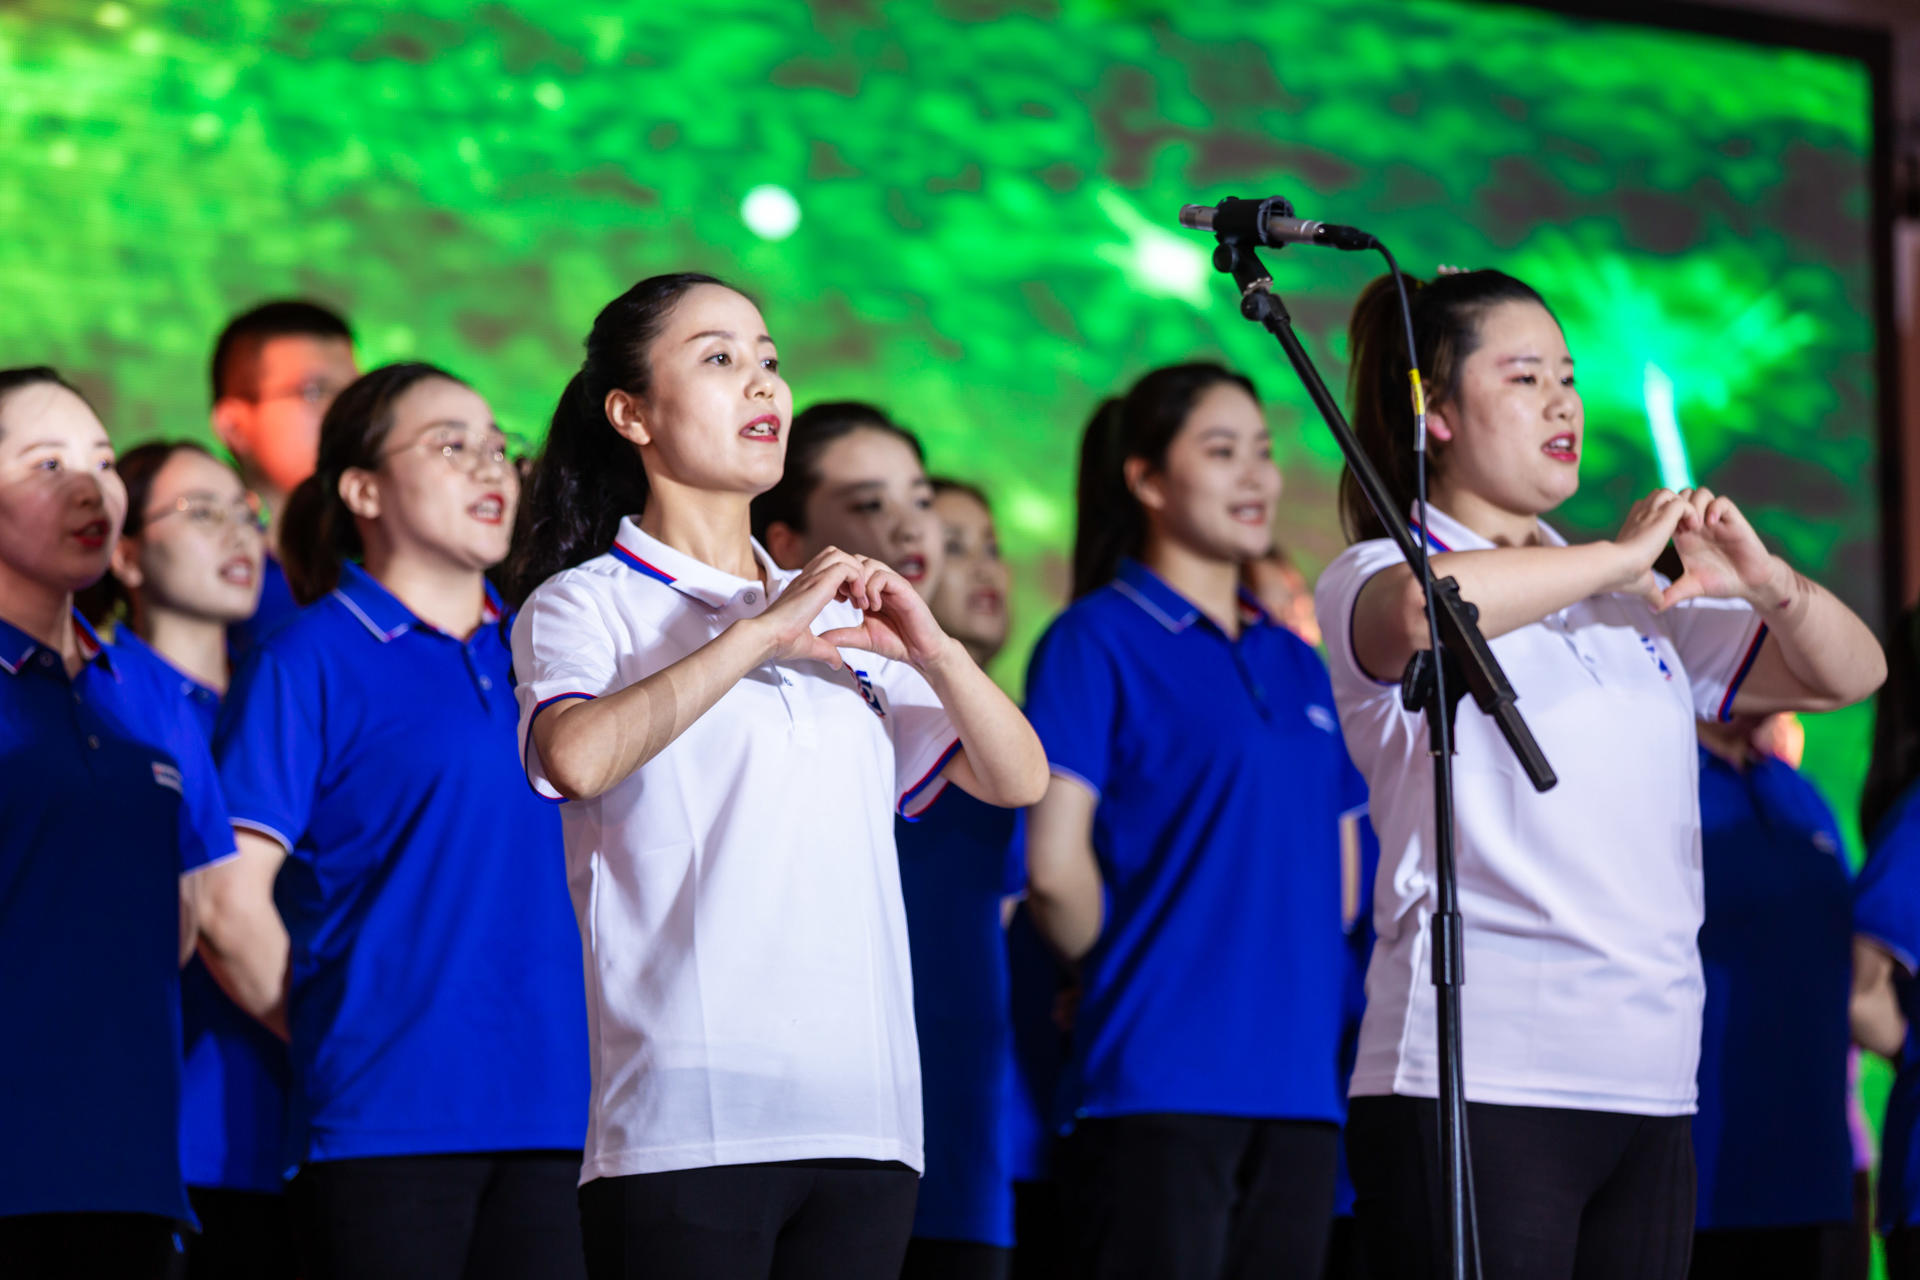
(635,562)
(1433,543)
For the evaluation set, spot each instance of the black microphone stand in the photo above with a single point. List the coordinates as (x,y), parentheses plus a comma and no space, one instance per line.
(1465,664)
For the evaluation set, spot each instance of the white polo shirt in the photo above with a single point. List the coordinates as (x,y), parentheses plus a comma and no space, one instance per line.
(1582,905)
(738,896)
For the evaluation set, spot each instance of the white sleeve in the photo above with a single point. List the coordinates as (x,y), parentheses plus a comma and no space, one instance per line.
(1334,599)
(924,738)
(562,649)
(1717,641)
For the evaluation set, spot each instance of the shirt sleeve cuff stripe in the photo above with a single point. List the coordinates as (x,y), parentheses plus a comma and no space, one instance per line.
(1061,770)
(262,829)
(1740,675)
(907,807)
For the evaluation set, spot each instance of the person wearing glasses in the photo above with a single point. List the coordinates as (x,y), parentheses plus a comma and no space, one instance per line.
(186,568)
(418,949)
(276,368)
(110,802)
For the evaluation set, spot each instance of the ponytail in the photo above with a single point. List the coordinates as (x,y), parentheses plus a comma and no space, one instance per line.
(318,534)
(589,477)
(1446,330)
(1111,524)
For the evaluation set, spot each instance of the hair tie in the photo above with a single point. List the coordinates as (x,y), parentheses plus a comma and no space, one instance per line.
(1448,269)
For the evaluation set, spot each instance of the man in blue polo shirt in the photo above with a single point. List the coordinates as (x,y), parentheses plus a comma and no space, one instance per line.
(110,799)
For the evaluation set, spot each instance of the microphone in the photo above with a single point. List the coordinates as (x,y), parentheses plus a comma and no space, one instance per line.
(1271,222)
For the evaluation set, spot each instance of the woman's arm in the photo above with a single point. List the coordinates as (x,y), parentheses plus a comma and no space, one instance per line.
(588,746)
(1063,876)
(1000,760)
(1873,1010)
(242,938)
(1512,587)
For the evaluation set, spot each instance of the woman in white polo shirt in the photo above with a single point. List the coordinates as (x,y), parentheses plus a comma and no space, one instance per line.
(1583,984)
(734,740)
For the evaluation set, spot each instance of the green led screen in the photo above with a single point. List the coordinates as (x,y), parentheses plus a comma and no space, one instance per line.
(965,210)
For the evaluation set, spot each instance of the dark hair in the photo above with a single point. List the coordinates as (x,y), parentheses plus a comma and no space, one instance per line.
(1446,330)
(1895,762)
(138,468)
(317,532)
(814,428)
(1111,523)
(589,477)
(947,484)
(33,375)
(236,354)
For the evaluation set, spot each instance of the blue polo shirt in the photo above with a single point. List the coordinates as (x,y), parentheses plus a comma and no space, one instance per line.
(1218,982)
(1771,1136)
(952,878)
(1886,908)
(110,798)
(436,1001)
(233,1104)
(276,607)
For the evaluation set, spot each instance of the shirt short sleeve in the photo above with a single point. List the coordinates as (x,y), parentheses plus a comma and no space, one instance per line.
(1334,598)
(924,739)
(268,746)
(562,649)
(1073,699)
(1886,896)
(206,829)
(1717,641)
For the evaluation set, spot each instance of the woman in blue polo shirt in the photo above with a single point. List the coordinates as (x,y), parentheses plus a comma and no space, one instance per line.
(855,479)
(188,566)
(110,800)
(421,958)
(1187,854)
(1770,1139)
(1886,945)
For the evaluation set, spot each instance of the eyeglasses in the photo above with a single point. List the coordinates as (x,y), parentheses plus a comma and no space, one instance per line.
(314,393)
(463,456)
(212,516)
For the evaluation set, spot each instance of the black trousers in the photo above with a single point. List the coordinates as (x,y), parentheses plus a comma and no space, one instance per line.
(1824,1251)
(929,1259)
(244,1235)
(1903,1254)
(1039,1231)
(793,1220)
(490,1216)
(86,1246)
(1562,1194)
(1191,1197)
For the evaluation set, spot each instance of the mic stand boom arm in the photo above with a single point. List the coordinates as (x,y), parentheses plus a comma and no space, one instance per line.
(1465,664)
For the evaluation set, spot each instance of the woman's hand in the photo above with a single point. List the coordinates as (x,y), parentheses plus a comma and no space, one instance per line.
(1722,556)
(896,622)
(1651,523)
(788,622)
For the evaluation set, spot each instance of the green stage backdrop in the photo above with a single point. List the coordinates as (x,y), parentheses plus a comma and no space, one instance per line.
(965,210)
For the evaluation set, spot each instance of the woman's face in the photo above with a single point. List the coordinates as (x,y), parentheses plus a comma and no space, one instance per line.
(716,414)
(871,497)
(1510,433)
(445,488)
(969,598)
(199,549)
(61,501)
(1217,491)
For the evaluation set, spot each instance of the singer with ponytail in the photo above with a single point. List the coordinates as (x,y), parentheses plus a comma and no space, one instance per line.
(398,909)
(1187,855)
(1582,905)
(731,741)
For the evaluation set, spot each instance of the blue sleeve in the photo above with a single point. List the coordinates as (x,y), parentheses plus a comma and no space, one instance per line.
(1073,699)
(1886,897)
(1014,865)
(269,748)
(206,832)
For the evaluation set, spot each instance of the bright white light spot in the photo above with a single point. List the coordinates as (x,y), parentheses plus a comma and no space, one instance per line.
(770,212)
(1153,259)
(550,95)
(1663,423)
(112,15)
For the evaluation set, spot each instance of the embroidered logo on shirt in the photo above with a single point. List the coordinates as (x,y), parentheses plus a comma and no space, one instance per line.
(167,776)
(1653,651)
(1322,718)
(1824,843)
(867,692)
